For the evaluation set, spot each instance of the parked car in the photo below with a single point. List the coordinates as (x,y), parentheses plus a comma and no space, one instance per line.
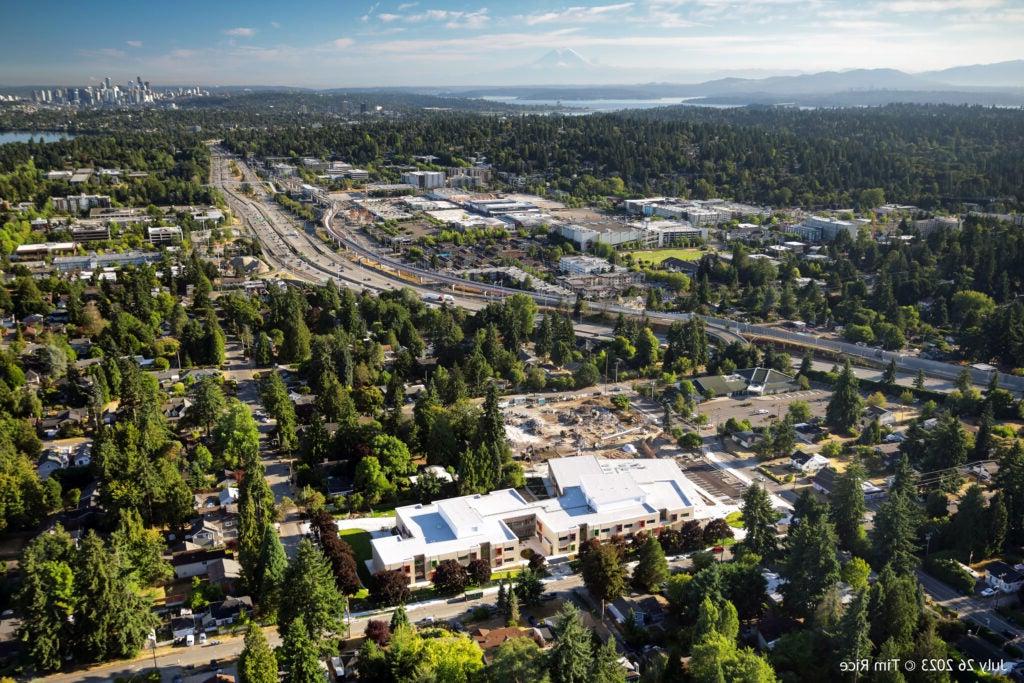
(988,592)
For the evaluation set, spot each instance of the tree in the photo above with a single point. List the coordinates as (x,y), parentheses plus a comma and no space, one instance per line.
(300,653)
(570,658)
(370,480)
(855,573)
(208,402)
(399,618)
(759,520)
(607,668)
(310,593)
(111,619)
(854,643)
(479,571)
(517,660)
(845,405)
(450,577)
(717,530)
(848,508)
(811,567)
(969,526)
(895,533)
(603,573)
(139,550)
(512,610)
(529,587)
(257,663)
(586,375)
(378,631)
(652,568)
(274,564)
(389,587)
(889,376)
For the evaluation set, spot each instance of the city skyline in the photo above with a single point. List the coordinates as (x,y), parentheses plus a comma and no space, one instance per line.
(392,43)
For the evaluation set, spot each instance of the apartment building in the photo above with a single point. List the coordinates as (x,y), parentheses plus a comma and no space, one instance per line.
(591,498)
(77,203)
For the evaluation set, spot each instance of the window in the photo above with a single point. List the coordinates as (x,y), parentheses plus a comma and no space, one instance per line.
(497,551)
(596,532)
(618,527)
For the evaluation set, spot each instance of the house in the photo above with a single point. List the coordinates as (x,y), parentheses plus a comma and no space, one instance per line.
(227,496)
(225,572)
(647,611)
(490,639)
(1003,577)
(807,463)
(748,439)
(883,415)
(196,562)
(227,612)
(50,463)
(183,626)
(678,265)
(824,482)
(770,628)
(176,408)
(205,534)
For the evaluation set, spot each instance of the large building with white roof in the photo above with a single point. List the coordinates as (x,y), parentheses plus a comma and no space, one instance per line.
(591,498)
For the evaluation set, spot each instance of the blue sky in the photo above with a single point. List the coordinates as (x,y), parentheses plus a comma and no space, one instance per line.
(336,43)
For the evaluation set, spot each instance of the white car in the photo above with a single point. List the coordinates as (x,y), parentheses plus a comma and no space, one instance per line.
(988,592)
(762,411)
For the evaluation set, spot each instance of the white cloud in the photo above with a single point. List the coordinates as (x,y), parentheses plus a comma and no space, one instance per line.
(577,14)
(407,5)
(342,43)
(133,43)
(909,6)
(453,19)
(240,32)
(275,24)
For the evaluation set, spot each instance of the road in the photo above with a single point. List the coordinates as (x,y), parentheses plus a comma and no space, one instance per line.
(303,254)
(974,608)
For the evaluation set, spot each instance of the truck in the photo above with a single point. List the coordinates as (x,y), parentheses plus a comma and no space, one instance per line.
(433,298)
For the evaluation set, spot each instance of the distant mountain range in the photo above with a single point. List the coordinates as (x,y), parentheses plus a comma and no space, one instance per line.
(995,84)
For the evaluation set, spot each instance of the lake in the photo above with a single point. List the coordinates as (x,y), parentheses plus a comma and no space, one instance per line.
(583,106)
(17,136)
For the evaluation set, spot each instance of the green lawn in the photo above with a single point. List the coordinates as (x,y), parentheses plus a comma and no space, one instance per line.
(735,519)
(656,256)
(360,542)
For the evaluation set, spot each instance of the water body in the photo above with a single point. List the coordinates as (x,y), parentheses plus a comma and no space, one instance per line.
(15,136)
(583,106)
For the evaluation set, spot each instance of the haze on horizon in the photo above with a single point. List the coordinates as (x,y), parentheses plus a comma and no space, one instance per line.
(364,43)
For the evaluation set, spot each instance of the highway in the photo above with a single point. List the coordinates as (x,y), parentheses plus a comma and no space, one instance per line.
(297,251)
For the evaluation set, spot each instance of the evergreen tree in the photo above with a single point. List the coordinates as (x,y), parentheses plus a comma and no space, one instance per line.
(854,643)
(759,521)
(998,523)
(512,610)
(895,533)
(47,600)
(607,668)
(309,592)
(300,654)
(603,573)
(889,376)
(257,663)
(111,620)
(969,526)
(896,607)
(845,405)
(811,566)
(255,514)
(919,380)
(571,655)
(848,508)
(652,568)
(399,618)
(274,563)
(983,439)
(1010,482)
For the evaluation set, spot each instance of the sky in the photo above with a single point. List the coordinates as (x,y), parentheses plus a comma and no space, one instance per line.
(340,43)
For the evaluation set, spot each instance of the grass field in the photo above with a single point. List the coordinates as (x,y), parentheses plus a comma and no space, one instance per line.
(360,542)
(656,256)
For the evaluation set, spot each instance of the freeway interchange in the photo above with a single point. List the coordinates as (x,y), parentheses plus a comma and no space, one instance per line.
(292,250)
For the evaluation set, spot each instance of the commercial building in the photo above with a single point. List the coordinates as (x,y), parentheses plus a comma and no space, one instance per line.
(583,265)
(90,233)
(78,203)
(753,381)
(669,233)
(424,180)
(30,252)
(169,234)
(93,262)
(607,232)
(823,229)
(592,498)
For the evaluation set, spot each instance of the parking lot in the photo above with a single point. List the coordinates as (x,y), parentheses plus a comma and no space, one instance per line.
(762,409)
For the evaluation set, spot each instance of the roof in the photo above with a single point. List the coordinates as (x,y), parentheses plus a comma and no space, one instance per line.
(197,556)
(490,638)
(720,385)
(764,378)
(1004,572)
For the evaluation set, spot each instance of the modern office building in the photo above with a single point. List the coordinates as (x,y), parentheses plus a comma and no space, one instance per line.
(822,229)
(77,203)
(591,498)
(424,180)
